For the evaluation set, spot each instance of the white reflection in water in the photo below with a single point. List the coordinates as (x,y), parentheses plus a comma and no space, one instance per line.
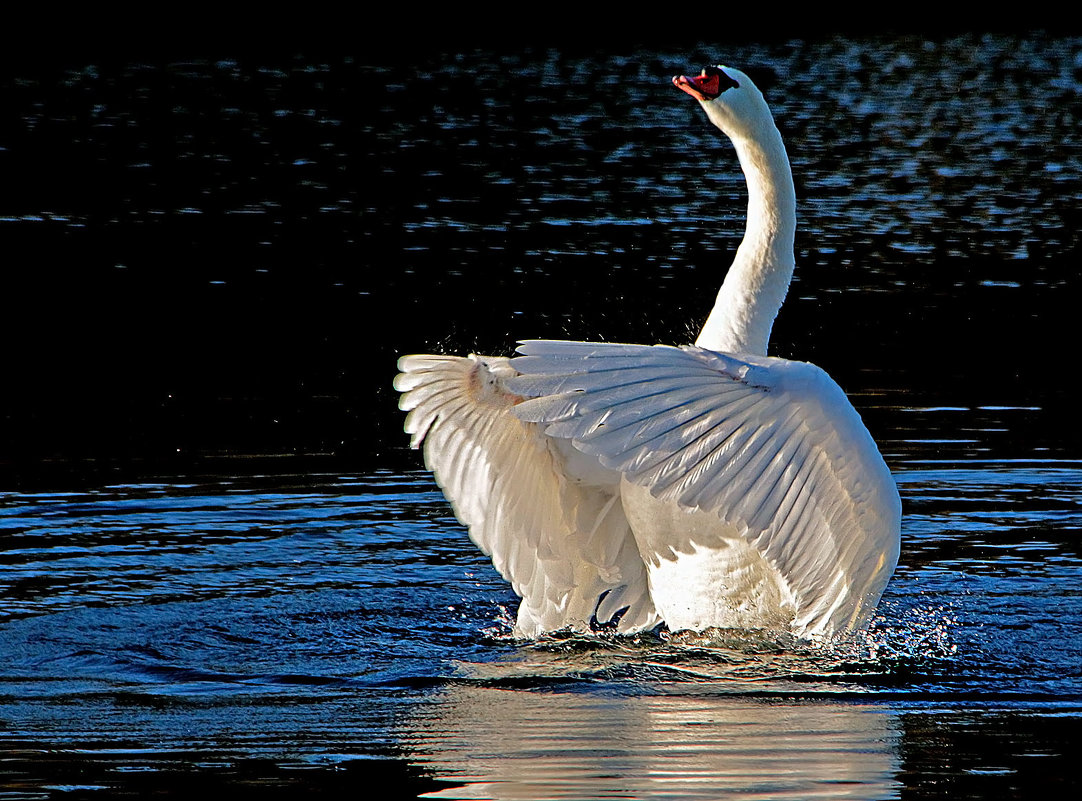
(511,744)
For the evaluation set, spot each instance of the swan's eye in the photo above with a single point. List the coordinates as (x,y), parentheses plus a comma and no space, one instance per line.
(723,79)
(708,84)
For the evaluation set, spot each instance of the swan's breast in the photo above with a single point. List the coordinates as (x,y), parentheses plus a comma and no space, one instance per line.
(701,572)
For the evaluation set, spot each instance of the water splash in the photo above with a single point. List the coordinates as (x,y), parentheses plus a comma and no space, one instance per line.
(895,650)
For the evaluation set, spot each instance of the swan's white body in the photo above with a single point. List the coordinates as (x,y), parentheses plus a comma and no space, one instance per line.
(704,486)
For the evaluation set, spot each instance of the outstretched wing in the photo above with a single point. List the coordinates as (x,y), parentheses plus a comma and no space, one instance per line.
(563,543)
(773,447)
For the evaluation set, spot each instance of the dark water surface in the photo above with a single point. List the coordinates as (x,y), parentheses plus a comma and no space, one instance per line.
(221,569)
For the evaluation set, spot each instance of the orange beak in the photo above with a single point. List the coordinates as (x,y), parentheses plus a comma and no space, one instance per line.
(701,87)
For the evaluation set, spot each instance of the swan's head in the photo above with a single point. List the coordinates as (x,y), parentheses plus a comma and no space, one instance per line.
(730,99)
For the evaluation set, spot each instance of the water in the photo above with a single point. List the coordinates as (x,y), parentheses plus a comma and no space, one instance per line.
(223,571)
(305,623)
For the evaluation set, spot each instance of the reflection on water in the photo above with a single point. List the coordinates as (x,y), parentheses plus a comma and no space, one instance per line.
(502,744)
(687,716)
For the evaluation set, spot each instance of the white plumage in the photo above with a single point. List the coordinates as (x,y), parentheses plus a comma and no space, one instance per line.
(704,486)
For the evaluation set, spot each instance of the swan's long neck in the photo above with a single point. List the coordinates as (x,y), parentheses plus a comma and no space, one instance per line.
(759,277)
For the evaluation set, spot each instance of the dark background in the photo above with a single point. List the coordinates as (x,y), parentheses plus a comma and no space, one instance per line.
(214,252)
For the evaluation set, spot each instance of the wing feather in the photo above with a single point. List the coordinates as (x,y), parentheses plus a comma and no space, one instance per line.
(565,546)
(773,447)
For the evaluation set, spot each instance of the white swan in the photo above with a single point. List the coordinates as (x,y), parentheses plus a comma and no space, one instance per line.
(703,486)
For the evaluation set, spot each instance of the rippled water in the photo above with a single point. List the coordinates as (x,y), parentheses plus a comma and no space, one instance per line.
(202,632)
(221,570)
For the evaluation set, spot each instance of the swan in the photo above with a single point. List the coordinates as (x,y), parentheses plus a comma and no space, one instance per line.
(710,486)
